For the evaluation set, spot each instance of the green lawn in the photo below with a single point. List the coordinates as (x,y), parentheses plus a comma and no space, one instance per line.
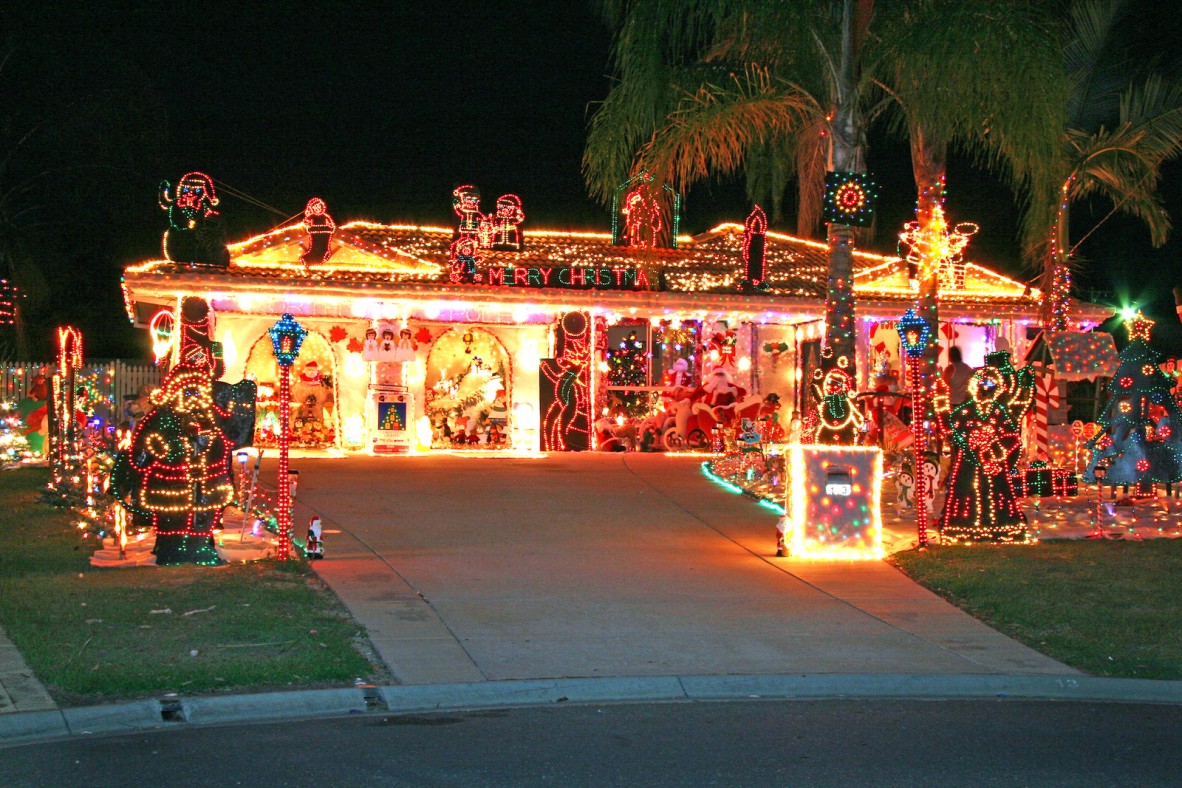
(104,634)
(1111,608)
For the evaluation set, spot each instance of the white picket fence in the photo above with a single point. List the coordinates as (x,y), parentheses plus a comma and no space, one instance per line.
(111,383)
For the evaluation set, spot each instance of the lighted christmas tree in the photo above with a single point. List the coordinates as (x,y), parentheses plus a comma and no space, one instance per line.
(628,366)
(1140,440)
(392,419)
(13,445)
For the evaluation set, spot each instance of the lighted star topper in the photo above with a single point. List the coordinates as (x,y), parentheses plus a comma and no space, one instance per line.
(1139,326)
(849,198)
(937,245)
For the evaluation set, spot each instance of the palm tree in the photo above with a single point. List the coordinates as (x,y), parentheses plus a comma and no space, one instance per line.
(1121,162)
(981,75)
(778,88)
(701,90)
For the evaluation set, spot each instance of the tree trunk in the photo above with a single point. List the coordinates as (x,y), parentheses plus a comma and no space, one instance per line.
(1056,278)
(847,134)
(928,161)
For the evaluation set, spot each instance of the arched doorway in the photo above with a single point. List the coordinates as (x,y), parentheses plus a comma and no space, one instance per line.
(313,393)
(468,390)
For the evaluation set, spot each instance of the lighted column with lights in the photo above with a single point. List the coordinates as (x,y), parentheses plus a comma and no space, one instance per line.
(286,337)
(914,332)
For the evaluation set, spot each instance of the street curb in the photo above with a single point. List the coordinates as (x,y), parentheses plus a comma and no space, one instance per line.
(144,715)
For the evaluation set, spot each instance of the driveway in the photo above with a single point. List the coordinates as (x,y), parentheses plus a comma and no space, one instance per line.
(581,565)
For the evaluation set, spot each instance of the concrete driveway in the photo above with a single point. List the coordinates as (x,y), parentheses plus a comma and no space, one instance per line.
(581,565)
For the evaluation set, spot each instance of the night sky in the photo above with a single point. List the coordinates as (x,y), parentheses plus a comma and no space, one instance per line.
(382,108)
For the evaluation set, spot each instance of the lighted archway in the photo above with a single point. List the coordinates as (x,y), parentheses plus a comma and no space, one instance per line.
(313,393)
(468,390)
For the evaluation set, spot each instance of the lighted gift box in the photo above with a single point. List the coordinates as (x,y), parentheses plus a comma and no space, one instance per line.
(1045,482)
(833,501)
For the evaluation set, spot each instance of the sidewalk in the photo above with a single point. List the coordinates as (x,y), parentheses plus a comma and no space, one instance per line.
(19,688)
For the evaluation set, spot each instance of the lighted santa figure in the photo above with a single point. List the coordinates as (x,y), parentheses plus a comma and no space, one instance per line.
(195,233)
(176,471)
(311,394)
(320,227)
(506,231)
(315,545)
(678,378)
(712,402)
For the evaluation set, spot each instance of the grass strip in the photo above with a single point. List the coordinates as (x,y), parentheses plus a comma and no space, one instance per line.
(93,635)
(1110,608)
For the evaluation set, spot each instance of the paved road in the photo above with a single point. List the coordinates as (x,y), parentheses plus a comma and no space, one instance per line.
(758,743)
(581,565)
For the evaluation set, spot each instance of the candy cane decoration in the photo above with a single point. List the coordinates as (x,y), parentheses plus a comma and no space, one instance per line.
(1046,398)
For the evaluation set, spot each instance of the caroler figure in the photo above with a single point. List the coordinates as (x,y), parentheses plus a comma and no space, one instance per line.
(985,436)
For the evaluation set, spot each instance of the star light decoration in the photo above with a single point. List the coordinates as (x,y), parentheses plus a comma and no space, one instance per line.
(936,248)
(849,198)
(1140,327)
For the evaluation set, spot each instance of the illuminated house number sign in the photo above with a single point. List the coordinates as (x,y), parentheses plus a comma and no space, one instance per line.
(570,278)
(838,482)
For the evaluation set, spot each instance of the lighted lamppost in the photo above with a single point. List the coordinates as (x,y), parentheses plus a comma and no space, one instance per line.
(914,332)
(286,337)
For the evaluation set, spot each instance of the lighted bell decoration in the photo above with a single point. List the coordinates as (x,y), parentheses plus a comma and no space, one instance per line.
(286,338)
(913,333)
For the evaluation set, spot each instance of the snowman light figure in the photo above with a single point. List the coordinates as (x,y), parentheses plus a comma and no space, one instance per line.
(905,485)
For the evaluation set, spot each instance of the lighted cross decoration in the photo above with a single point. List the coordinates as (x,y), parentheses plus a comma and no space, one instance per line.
(937,247)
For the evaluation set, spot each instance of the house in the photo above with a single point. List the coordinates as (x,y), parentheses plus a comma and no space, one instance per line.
(534,344)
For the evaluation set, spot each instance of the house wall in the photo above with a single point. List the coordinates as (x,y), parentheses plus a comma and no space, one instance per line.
(245,335)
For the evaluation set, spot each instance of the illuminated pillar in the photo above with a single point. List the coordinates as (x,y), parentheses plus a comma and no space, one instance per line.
(286,337)
(913,338)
